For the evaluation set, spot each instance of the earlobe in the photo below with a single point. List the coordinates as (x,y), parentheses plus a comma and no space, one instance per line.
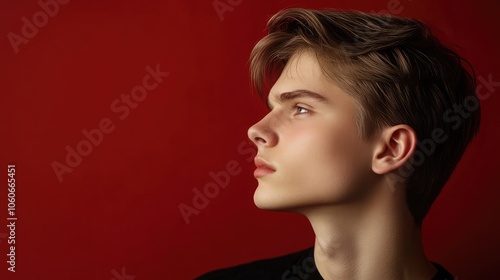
(394,147)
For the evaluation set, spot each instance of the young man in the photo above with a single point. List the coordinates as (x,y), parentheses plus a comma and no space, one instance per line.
(369,115)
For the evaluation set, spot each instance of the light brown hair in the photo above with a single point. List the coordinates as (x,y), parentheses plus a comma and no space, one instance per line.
(397,71)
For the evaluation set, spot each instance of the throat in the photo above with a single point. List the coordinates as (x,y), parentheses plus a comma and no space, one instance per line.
(380,245)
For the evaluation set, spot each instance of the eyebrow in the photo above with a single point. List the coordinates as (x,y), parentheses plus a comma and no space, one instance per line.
(290,95)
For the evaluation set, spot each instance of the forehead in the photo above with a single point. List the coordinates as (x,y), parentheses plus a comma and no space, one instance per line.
(302,72)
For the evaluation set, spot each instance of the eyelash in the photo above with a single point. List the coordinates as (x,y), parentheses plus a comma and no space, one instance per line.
(297,107)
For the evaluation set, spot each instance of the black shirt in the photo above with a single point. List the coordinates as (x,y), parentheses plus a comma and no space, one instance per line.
(296,266)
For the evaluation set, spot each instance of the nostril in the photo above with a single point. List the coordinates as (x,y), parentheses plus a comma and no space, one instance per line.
(253,133)
(260,140)
(261,134)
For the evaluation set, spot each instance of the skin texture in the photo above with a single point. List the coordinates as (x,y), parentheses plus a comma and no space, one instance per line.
(324,170)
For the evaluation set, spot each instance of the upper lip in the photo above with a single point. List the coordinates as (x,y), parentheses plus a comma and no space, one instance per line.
(259,162)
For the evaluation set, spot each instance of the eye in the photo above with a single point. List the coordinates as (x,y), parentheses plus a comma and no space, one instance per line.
(300,110)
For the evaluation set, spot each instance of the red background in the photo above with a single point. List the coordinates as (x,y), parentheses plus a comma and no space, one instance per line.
(119,207)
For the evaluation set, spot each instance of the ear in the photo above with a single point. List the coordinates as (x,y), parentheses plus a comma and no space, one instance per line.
(393,148)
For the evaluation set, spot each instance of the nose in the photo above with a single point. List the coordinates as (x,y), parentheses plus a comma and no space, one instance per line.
(262,135)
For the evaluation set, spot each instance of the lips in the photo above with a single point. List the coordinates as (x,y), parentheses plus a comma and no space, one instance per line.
(263,168)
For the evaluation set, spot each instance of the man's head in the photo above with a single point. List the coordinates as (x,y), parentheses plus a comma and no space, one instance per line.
(399,105)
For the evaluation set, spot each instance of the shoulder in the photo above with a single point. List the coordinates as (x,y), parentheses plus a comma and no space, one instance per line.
(298,264)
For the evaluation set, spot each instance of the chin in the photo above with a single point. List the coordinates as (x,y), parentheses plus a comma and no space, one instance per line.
(272,201)
(266,200)
(279,198)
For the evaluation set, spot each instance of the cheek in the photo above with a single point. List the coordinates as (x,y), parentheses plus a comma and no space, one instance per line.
(321,144)
(325,162)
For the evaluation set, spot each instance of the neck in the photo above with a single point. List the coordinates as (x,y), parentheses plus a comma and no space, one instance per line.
(374,238)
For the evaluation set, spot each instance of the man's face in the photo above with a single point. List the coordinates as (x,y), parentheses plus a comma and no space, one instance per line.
(310,141)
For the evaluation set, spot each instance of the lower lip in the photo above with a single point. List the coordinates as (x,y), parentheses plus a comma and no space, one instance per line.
(262,171)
